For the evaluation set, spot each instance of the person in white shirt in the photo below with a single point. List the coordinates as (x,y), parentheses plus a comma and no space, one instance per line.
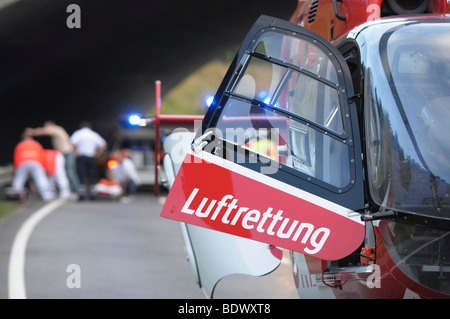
(89,145)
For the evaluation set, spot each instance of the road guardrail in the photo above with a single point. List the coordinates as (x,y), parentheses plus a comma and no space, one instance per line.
(6,174)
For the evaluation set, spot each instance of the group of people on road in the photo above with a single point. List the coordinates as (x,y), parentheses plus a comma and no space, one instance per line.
(68,165)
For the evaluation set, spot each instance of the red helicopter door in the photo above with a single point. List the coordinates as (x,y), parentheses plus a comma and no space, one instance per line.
(278,158)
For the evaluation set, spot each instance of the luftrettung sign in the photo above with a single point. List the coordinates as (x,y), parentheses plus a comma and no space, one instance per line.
(221,195)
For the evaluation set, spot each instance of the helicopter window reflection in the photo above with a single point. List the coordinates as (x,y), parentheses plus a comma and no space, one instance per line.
(407,121)
(285,104)
(422,253)
(296,51)
(292,91)
(291,143)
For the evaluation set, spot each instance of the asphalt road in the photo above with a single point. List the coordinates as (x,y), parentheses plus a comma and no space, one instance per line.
(106,249)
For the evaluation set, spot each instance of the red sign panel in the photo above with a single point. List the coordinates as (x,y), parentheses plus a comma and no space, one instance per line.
(217,194)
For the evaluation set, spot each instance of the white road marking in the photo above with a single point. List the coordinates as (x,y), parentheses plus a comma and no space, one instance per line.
(16,275)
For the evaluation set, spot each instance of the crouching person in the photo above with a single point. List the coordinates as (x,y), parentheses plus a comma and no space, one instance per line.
(29,162)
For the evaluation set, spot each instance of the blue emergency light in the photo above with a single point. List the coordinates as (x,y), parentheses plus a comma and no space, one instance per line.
(208,100)
(134,119)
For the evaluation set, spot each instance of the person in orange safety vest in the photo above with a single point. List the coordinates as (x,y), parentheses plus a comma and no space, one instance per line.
(29,161)
(55,168)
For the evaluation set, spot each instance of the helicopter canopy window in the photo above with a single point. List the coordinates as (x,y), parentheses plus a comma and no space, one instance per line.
(292,91)
(302,54)
(407,123)
(287,105)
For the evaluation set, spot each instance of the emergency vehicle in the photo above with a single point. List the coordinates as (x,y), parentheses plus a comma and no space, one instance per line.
(332,146)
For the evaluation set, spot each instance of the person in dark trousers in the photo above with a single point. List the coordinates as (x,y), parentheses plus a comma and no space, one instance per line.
(89,145)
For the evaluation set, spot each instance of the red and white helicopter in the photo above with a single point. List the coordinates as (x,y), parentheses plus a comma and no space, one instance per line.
(331,144)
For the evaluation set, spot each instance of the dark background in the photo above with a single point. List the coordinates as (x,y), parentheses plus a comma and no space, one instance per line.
(110,65)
